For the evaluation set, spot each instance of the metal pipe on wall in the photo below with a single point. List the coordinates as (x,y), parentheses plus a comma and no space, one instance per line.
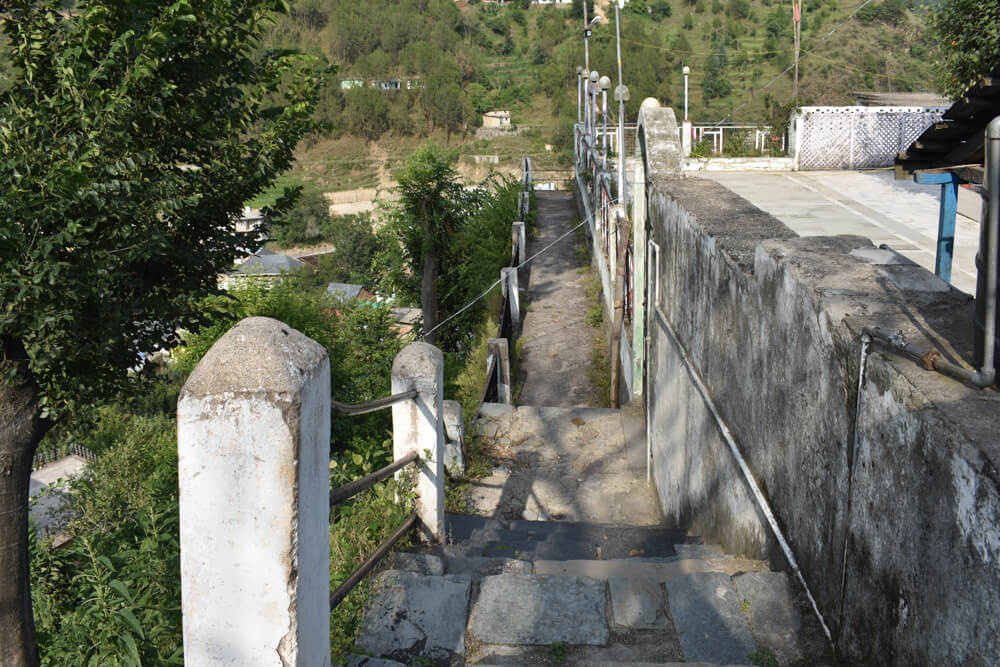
(989,248)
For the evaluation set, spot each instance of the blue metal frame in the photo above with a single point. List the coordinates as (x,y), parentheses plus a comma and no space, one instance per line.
(946,218)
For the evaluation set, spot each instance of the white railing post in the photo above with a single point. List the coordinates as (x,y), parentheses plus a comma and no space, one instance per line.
(519,241)
(418,426)
(454,443)
(510,287)
(498,348)
(253,445)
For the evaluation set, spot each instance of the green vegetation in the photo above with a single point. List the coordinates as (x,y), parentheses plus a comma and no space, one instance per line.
(968,35)
(454,64)
(130,133)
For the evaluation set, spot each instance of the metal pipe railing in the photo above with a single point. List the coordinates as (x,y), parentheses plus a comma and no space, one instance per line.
(355,578)
(352,489)
(347,409)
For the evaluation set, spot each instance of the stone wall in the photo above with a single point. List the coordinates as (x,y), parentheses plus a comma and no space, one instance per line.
(890,503)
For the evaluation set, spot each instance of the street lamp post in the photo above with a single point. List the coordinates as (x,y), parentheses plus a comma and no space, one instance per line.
(605,83)
(687,71)
(592,102)
(686,132)
(622,95)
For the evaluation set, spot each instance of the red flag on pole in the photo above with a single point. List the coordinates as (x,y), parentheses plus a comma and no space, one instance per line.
(797,10)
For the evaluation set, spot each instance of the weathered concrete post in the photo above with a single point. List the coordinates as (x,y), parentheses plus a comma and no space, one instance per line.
(498,348)
(509,285)
(418,426)
(519,241)
(253,445)
(686,131)
(613,240)
(454,444)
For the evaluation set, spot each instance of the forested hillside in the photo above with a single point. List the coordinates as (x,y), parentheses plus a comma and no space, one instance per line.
(455,63)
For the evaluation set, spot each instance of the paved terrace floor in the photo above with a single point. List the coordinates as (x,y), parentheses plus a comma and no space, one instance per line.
(900,213)
(556,339)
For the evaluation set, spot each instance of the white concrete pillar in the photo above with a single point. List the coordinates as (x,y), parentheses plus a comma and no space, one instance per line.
(686,138)
(418,426)
(253,445)
(509,285)
(519,241)
(454,444)
(498,348)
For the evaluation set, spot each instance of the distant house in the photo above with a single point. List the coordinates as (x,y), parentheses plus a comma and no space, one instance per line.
(406,319)
(496,119)
(252,220)
(349,292)
(391,85)
(347,84)
(264,266)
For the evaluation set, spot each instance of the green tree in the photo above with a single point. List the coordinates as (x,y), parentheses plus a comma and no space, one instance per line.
(131,136)
(968,37)
(365,112)
(303,222)
(738,9)
(576,9)
(716,82)
(431,206)
(660,9)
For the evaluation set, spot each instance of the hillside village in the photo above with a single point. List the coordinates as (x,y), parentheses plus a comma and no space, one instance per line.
(437,348)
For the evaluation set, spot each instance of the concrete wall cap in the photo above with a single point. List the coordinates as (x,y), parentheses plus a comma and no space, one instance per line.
(657,129)
(419,361)
(257,354)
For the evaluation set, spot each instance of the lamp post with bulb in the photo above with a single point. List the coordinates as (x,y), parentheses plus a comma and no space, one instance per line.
(687,71)
(579,94)
(686,124)
(622,95)
(592,101)
(605,83)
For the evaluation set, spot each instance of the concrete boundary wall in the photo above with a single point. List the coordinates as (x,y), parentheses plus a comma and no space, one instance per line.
(891,502)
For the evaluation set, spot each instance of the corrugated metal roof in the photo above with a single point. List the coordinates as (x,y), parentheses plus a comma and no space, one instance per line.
(957,139)
(345,291)
(267,262)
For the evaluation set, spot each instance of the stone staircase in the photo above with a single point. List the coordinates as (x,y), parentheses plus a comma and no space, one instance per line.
(600,581)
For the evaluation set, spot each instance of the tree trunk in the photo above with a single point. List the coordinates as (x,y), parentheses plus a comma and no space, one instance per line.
(21,429)
(428,295)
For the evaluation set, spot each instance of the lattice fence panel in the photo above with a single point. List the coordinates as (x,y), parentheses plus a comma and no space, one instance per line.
(859,139)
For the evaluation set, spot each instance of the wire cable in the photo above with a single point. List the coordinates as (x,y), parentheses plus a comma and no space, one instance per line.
(790,67)
(481,296)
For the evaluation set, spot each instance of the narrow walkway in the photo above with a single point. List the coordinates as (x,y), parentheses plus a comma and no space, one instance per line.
(556,339)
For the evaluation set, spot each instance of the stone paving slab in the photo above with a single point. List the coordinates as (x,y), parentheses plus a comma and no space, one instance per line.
(526,609)
(775,619)
(636,602)
(708,618)
(411,615)
(368,661)
(637,567)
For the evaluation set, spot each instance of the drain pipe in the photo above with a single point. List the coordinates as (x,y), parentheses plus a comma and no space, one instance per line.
(932,360)
(987,375)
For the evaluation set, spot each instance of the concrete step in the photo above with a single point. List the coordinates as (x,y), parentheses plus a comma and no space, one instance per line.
(561,540)
(640,612)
